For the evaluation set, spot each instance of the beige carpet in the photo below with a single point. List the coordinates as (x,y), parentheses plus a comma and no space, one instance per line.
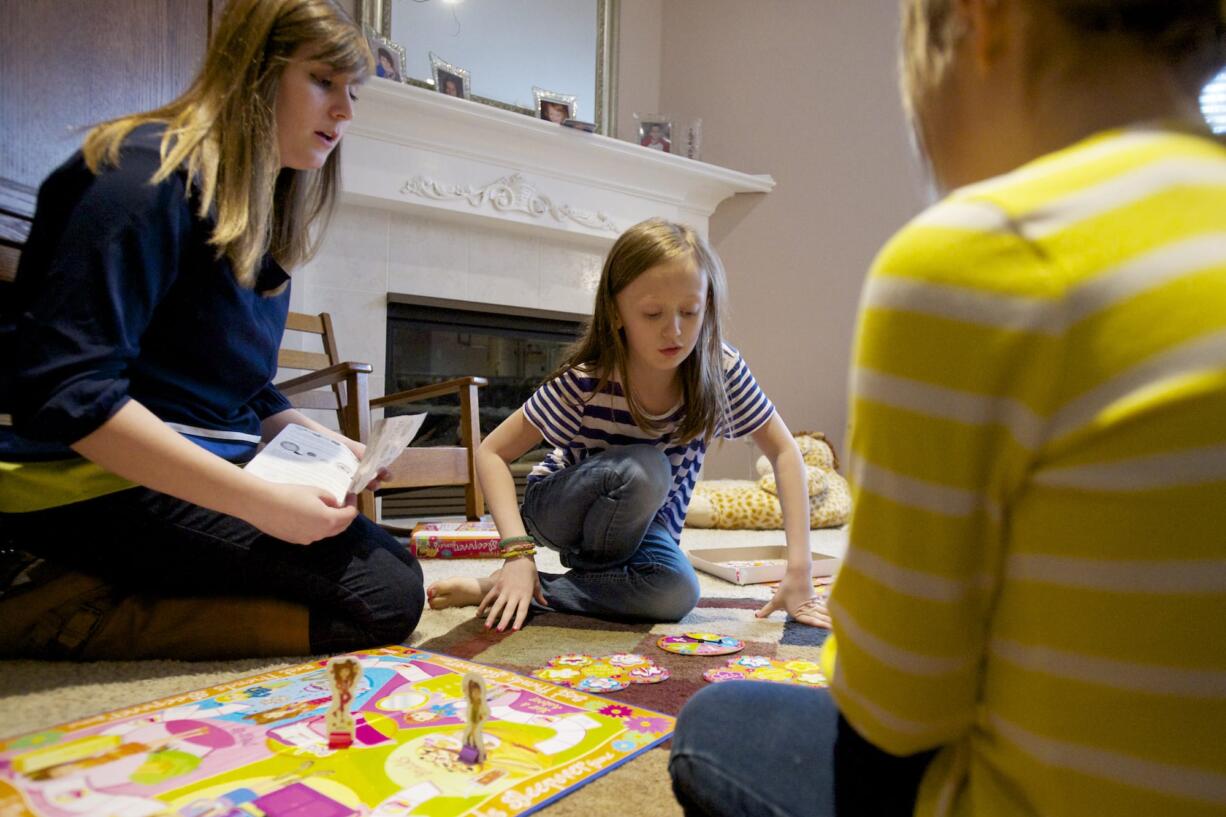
(38,694)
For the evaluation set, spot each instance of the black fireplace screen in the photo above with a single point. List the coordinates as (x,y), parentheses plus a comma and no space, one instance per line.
(430,342)
(514,352)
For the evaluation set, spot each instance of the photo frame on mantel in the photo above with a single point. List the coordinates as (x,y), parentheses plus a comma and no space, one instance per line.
(389,56)
(449,79)
(554,107)
(378,14)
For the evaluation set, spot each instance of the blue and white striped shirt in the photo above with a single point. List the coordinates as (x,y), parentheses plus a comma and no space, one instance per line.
(580,422)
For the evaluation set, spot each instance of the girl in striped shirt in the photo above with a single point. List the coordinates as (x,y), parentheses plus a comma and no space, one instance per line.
(629,416)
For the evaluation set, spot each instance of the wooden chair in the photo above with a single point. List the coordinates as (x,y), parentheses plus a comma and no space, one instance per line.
(341,386)
(329,383)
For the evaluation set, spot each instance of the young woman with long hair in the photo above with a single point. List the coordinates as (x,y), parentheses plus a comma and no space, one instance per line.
(149,306)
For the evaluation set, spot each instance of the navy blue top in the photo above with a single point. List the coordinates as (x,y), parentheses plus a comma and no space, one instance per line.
(119,296)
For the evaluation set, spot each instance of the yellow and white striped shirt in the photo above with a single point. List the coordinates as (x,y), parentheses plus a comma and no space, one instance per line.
(1037,572)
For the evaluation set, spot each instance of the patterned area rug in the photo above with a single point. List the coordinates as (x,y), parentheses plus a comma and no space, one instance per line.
(553,634)
(38,694)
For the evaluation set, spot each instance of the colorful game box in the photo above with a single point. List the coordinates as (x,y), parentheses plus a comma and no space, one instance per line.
(258,747)
(455,540)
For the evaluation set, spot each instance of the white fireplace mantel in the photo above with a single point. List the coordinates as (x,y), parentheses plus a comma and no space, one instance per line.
(413,148)
(448,199)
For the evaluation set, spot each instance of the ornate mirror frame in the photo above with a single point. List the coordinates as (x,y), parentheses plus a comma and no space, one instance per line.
(377,16)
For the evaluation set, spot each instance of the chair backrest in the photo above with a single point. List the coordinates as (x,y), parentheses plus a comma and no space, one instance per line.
(328,384)
(319,326)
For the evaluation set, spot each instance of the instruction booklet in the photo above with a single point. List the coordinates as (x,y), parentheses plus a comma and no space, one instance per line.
(300,456)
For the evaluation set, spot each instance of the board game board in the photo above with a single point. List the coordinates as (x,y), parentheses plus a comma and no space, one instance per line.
(258,747)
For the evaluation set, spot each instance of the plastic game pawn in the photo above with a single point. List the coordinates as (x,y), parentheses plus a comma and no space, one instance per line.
(343,674)
(472,750)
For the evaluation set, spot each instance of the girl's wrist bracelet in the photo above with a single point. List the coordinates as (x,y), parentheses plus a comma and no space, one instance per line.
(515,540)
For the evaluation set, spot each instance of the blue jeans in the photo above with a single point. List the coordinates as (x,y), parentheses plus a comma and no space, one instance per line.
(797,757)
(599,516)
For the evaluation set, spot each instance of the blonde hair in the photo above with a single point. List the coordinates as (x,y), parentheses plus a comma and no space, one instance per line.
(222,131)
(603,349)
(1188,35)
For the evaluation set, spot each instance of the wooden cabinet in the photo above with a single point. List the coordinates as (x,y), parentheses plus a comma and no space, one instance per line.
(68,64)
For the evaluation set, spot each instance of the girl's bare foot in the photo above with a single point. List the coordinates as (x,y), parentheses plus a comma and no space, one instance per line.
(459,591)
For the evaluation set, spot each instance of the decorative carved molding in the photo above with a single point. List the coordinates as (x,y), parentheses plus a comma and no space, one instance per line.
(511,193)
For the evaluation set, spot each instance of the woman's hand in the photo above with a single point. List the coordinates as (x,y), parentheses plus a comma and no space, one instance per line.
(300,514)
(795,594)
(511,596)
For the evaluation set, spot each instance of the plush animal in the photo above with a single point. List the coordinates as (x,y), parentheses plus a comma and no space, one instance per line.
(734,504)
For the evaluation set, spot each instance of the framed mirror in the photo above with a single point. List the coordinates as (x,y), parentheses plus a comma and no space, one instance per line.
(509,46)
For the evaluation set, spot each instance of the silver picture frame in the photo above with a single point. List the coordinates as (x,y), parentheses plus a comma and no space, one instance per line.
(444,73)
(383,50)
(549,104)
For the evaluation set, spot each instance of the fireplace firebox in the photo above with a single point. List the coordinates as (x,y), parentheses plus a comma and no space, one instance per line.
(430,340)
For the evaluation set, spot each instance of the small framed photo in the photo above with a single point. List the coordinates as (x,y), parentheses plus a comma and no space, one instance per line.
(554,107)
(449,79)
(656,132)
(389,56)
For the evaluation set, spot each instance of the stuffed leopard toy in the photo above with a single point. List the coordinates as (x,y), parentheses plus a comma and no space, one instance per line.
(733,504)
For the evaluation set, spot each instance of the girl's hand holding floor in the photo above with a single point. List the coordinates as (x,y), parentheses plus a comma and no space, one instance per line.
(515,586)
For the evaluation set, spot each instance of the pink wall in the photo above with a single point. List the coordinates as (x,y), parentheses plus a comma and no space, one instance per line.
(806,91)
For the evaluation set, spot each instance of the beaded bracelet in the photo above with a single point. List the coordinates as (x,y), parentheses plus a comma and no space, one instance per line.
(517,553)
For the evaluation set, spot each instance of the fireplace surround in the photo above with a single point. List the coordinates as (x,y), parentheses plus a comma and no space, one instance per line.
(446,201)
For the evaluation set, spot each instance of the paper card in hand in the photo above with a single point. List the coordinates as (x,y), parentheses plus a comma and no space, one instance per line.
(300,456)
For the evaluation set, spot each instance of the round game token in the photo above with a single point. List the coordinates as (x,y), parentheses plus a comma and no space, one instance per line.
(685,646)
(771,674)
(652,674)
(723,674)
(558,675)
(573,659)
(627,659)
(751,661)
(601,685)
(802,666)
(602,669)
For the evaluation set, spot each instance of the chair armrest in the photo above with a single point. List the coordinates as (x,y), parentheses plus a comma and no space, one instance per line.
(426,392)
(330,376)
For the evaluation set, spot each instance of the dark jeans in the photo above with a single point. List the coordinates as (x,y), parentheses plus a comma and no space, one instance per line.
(797,757)
(599,515)
(362,587)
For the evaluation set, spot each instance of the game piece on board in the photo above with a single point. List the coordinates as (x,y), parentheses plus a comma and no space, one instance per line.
(343,674)
(475,716)
(683,645)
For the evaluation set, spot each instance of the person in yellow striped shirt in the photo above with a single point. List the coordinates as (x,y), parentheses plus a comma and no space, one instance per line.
(1031,618)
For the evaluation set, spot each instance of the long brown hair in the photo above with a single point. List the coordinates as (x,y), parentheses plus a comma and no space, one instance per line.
(603,350)
(223,131)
